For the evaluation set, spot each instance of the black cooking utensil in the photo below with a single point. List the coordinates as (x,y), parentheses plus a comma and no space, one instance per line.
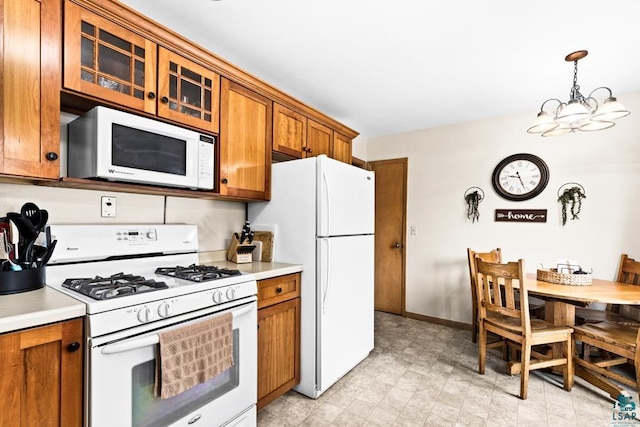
(47,255)
(28,236)
(37,216)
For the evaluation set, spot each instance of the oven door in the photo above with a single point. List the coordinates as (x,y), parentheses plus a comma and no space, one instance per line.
(121,375)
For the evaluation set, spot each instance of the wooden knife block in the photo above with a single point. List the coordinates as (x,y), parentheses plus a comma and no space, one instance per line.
(239,253)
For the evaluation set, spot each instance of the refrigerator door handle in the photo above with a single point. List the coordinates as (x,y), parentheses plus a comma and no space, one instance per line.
(325,285)
(327,207)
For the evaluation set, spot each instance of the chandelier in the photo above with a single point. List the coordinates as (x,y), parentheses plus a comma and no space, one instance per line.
(580,112)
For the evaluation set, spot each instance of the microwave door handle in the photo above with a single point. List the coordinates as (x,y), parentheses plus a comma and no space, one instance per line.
(128,345)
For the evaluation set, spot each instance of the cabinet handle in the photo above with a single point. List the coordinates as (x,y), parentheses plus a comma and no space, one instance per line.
(224,180)
(74,346)
(52,156)
(151,95)
(278,290)
(164,100)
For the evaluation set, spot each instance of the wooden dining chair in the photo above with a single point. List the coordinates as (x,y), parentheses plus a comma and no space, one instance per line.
(496,288)
(619,345)
(628,272)
(494,255)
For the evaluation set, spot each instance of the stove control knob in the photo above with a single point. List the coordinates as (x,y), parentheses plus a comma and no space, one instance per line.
(164,309)
(231,294)
(217,297)
(144,314)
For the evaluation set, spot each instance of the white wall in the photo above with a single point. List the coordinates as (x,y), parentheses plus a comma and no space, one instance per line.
(445,161)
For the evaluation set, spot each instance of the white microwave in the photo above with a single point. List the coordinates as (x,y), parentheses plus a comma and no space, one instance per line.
(118,146)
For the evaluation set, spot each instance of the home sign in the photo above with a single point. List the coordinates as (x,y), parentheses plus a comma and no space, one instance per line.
(521,215)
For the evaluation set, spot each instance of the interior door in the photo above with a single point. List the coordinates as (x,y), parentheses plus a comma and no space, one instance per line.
(390,196)
(345,305)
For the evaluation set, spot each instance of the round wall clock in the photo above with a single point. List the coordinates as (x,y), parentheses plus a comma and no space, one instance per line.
(520,177)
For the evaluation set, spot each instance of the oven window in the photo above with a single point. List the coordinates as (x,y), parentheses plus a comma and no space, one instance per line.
(138,149)
(149,410)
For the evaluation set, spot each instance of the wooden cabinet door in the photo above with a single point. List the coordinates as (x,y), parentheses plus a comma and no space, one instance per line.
(341,148)
(105,60)
(30,42)
(278,350)
(289,131)
(319,140)
(41,376)
(245,142)
(188,93)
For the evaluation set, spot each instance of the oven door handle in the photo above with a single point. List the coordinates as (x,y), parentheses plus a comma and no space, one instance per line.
(133,344)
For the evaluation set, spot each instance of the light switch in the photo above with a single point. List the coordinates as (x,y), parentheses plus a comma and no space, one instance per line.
(413,230)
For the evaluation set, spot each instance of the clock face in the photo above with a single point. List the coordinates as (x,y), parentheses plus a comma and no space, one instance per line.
(520,177)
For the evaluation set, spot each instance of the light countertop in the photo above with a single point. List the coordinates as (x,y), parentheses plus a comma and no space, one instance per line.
(36,308)
(262,270)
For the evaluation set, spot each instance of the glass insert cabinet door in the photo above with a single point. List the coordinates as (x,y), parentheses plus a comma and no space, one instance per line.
(108,61)
(188,92)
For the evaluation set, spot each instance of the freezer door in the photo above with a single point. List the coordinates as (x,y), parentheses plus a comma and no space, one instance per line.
(346,197)
(345,305)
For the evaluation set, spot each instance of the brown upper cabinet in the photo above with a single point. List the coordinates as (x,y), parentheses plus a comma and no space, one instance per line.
(289,131)
(341,148)
(30,38)
(245,142)
(319,140)
(298,136)
(108,61)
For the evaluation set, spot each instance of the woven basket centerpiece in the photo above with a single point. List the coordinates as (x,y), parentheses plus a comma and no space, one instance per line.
(552,275)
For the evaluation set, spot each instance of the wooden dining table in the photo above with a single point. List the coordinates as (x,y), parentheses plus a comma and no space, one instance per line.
(561,302)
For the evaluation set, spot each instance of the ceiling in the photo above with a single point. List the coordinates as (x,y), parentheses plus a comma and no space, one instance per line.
(386,67)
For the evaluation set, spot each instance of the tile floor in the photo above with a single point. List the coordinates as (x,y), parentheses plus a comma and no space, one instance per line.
(423,374)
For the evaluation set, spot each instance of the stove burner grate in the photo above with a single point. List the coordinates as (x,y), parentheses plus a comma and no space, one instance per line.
(197,273)
(117,285)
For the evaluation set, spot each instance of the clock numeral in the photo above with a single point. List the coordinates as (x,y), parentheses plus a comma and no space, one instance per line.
(532,182)
(511,189)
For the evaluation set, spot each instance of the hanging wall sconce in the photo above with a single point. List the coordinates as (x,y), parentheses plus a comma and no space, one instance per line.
(473,196)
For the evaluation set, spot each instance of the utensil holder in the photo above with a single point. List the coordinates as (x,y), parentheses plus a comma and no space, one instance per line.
(240,253)
(13,282)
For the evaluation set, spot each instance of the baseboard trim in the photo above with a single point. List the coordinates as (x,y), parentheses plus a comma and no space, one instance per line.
(438,321)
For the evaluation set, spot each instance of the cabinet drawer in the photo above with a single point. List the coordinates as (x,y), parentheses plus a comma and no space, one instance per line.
(278,289)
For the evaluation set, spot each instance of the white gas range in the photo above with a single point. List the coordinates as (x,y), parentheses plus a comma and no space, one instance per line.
(138,281)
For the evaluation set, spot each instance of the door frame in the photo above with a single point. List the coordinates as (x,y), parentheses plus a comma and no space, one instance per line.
(405,162)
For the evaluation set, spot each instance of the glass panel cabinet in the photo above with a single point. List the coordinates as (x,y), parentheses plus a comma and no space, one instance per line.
(188,92)
(106,60)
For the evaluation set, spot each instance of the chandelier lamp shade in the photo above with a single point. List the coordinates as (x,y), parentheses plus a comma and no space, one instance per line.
(580,112)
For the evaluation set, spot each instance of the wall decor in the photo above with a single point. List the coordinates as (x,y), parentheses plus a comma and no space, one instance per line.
(571,194)
(520,177)
(521,215)
(473,196)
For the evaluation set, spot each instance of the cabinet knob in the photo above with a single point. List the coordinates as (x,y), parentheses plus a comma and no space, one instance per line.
(151,95)
(397,245)
(52,156)
(278,290)
(224,180)
(164,100)
(74,346)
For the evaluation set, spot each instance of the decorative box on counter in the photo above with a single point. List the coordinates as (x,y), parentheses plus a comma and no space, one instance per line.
(239,253)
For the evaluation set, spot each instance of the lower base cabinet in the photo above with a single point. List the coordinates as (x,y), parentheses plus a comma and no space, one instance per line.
(41,376)
(278,337)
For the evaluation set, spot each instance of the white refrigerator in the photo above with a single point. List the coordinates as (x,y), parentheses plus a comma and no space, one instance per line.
(323,211)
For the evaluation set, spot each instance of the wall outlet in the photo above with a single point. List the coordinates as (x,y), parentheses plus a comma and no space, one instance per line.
(413,230)
(108,207)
